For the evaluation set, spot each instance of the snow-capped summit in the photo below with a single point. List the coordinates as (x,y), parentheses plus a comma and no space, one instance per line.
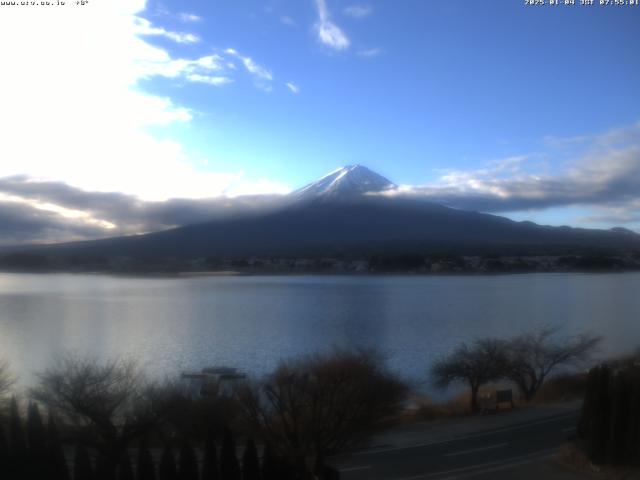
(345,182)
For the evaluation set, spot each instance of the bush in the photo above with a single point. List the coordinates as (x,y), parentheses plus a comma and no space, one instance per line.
(322,404)
(563,387)
(210,468)
(82,469)
(476,364)
(167,469)
(610,418)
(533,356)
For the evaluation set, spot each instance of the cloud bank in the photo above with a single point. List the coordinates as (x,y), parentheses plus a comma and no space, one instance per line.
(602,172)
(49,211)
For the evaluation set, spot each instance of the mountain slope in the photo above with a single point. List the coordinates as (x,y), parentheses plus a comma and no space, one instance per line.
(335,215)
(366,227)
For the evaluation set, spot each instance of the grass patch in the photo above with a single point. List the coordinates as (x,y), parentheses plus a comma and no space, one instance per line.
(562,388)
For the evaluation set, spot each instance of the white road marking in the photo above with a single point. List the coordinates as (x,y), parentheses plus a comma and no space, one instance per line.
(466,437)
(479,469)
(473,450)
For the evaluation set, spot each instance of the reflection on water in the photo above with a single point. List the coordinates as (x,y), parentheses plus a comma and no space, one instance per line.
(171,324)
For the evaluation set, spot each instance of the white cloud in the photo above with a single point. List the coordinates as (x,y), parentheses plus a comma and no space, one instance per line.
(197,70)
(252,67)
(211,80)
(72,108)
(257,70)
(370,52)
(288,21)
(358,11)
(144,27)
(45,211)
(189,17)
(604,174)
(329,33)
(293,87)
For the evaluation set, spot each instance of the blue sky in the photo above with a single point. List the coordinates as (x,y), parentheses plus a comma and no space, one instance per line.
(530,112)
(448,85)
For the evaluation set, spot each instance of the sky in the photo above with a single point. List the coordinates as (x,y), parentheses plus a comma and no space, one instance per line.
(124,116)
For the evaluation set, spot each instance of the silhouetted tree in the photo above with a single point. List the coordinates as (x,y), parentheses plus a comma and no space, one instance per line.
(4,452)
(595,422)
(633,438)
(82,468)
(58,468)
(600,423)
(210,467)
(6,379)
(322,404)
(269,463)
(125,471)
(190,416)
(534,355)
(109,398)
(146,468)
(276,466)
(288,471)
(36,434)
(17,443)
(324,472)
(106,466)
(624,434)
(229,468)
(37,465)
(481,362)
(250,463)
(188,463)
(587,413)
(619,418)
(167,469)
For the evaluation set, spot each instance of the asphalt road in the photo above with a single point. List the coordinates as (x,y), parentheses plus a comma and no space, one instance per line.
(466,457)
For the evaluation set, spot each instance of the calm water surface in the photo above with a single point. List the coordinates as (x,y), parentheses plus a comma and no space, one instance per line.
(172,324)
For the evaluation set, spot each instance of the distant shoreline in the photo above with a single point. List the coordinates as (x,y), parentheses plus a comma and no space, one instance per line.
(402,264)
(227,273)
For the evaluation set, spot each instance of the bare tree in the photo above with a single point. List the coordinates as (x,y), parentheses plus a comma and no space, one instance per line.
(188,415)
(7,380)
(109,399)
(476,364)
(322,404)
(534,355)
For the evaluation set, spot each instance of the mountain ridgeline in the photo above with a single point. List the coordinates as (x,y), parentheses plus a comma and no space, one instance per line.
(351,212)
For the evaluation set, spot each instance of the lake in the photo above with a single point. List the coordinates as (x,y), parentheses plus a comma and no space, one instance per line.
(252,322)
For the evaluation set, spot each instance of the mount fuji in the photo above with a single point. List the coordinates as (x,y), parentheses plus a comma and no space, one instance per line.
(345,182)
(347,212)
